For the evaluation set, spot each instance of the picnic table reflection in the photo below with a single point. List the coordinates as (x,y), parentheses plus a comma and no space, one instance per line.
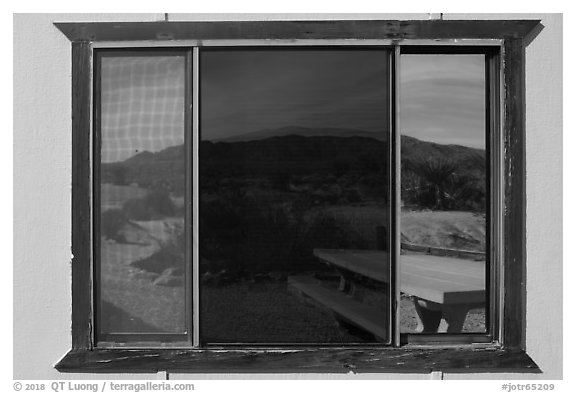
(441,287)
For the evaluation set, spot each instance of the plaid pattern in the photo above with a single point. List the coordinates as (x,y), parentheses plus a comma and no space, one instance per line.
(142,104)
(142,109)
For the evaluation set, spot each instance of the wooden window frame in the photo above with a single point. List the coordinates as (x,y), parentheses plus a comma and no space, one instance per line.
(507,353)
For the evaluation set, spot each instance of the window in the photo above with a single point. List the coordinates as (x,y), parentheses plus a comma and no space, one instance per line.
(292,141)
(250,196)
(444,183)
(142,277)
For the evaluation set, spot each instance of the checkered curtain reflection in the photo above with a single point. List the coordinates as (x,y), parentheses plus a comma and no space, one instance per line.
(142,104)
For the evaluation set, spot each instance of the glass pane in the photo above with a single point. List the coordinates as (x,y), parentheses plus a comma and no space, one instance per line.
(294,196)
(443,219)
(141,195)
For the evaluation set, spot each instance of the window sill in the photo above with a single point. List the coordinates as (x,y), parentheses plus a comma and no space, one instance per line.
(332,360)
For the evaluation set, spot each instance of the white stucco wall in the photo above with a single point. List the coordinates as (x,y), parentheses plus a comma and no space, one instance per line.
(42,184)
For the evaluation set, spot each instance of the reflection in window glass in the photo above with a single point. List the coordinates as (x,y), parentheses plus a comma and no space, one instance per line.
(141,194)
(443,192)
(293,186)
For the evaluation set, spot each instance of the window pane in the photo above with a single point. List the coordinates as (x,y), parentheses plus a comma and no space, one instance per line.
(443,219)
(294,196)
(141,195)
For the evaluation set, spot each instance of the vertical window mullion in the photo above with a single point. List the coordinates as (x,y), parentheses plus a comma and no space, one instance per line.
(395,194)
(96,145)
(190,176)
(195,187)
(495,163)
